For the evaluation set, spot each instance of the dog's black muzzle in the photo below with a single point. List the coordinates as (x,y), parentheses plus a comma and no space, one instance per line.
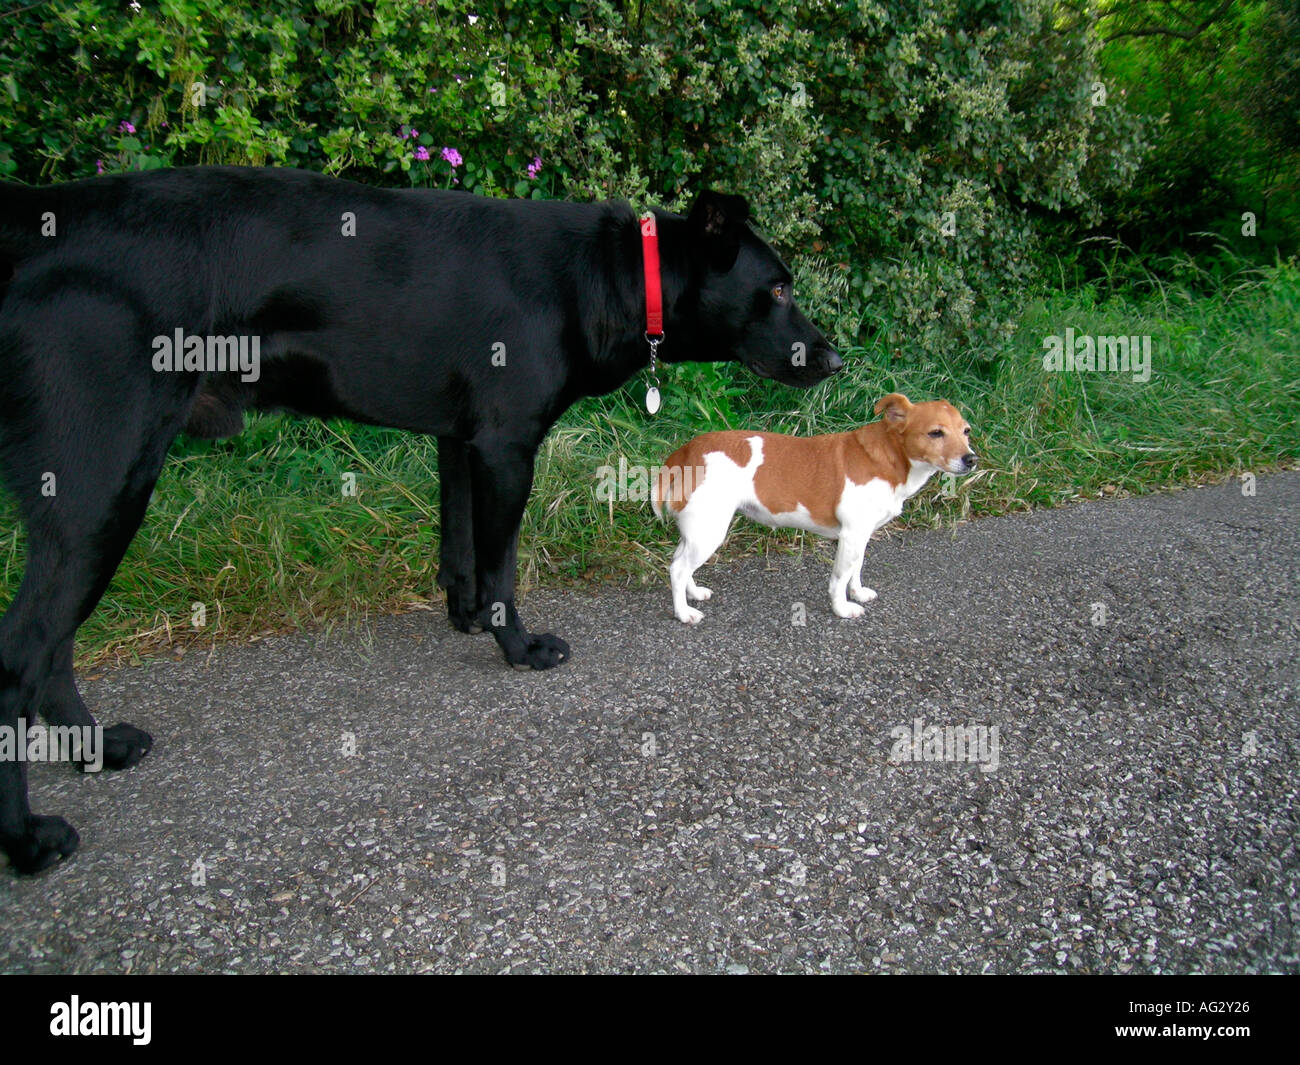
(821,363)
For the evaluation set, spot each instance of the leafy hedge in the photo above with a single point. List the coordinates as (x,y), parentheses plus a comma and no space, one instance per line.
(901,153)
(1225,165)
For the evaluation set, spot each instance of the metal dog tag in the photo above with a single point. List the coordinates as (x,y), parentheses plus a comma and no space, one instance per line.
(652,400)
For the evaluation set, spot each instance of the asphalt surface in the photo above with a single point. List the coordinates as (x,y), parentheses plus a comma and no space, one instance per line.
(730,797)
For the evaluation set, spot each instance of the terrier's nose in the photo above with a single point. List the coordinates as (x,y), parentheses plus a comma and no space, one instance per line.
(833,361)
(971,460)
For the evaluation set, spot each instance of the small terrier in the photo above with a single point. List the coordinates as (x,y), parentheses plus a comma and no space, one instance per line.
(842,485)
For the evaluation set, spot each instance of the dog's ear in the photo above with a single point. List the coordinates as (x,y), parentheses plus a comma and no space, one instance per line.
(894,407)
(715,222)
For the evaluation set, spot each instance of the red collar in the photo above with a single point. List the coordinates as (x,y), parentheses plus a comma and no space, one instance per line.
(654,297)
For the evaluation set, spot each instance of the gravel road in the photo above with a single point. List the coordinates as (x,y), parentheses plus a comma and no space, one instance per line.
(749,795)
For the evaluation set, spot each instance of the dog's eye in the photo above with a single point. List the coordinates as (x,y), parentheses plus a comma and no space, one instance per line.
(966,430)
(936,433)
(779,293)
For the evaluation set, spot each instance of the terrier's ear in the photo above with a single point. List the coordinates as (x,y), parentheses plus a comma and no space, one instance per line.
(895,407)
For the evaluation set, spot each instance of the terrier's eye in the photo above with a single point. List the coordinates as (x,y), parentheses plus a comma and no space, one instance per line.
(779,293)
(936,433)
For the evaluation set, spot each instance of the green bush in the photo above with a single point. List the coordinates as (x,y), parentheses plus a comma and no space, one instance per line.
(899,153)
(1218,86)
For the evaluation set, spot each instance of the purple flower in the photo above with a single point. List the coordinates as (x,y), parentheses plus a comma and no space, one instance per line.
(422,153)
(534,168)
(99,166)
(125,127)
(452,156)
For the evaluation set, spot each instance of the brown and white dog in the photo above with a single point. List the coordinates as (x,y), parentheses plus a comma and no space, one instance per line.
(842,485)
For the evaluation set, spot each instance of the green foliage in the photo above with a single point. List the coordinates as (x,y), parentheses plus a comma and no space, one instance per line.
(1218,87)
(899,153)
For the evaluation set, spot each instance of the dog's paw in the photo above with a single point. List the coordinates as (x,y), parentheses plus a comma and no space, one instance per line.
(542,651)
(690,616)
(862,595)
(847,610)
(124,745)
(699,593)
(47,840)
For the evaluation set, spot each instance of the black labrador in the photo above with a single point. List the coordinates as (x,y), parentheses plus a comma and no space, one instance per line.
(140,306)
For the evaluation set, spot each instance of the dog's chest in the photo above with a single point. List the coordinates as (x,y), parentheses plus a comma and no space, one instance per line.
(869,506)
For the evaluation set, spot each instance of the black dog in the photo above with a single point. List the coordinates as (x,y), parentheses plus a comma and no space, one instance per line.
(477,320)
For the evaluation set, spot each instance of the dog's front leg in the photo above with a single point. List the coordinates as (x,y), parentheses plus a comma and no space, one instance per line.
(456,551)
(501,475)
(847,572)
(122,745)
(856,588)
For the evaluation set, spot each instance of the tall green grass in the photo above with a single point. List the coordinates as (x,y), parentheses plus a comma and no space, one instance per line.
(259,530)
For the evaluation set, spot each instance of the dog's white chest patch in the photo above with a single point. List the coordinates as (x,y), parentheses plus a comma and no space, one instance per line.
(868,506)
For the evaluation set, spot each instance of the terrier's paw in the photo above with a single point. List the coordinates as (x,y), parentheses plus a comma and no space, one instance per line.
(699,593)
(690,616)
(862,595)
(847,610)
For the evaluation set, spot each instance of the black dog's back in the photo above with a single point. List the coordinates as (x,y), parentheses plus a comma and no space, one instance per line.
(438,289)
